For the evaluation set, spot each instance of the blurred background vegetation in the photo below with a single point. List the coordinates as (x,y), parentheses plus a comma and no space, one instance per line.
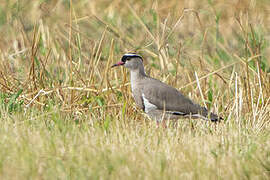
(66,114)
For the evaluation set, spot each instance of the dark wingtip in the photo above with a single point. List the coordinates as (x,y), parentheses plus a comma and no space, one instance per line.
(215,118)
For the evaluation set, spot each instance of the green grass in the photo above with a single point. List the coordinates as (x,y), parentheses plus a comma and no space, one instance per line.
(65,114)
(51,145)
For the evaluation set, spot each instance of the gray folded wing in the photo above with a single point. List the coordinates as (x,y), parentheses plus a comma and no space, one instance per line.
(167,98)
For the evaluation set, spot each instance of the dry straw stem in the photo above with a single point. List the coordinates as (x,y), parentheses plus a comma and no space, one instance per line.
(218,70)
(70,51)
(98,132)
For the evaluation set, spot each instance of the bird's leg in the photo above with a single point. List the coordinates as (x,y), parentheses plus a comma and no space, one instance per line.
(163,120)
(161,124)
(174,124)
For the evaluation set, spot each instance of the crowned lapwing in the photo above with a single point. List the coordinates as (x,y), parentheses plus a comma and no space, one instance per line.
(157,99)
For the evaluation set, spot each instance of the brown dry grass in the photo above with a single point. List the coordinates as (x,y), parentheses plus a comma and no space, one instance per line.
(66,114)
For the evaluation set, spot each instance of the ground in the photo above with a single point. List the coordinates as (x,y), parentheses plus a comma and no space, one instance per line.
(65,114)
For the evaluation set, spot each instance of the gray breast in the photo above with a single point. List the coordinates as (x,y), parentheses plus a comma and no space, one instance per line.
(137,95)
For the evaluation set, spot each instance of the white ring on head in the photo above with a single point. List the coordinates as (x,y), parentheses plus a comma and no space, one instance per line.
(132,55)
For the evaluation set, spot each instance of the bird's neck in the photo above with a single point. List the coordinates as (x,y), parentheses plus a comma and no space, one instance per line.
(137,74)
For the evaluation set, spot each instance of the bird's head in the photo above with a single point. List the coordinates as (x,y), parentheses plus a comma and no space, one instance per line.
(130,61)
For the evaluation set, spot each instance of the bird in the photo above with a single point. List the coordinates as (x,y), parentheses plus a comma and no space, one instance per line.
(157,99)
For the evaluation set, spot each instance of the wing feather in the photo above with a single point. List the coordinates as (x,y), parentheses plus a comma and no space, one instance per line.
(168,98)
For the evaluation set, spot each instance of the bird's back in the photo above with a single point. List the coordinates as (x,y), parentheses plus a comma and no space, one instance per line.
(168,98)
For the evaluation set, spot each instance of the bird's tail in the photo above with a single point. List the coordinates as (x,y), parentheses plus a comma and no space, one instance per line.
(213,117)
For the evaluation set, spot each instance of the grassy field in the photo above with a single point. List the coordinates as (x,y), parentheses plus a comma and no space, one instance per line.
(65,114)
